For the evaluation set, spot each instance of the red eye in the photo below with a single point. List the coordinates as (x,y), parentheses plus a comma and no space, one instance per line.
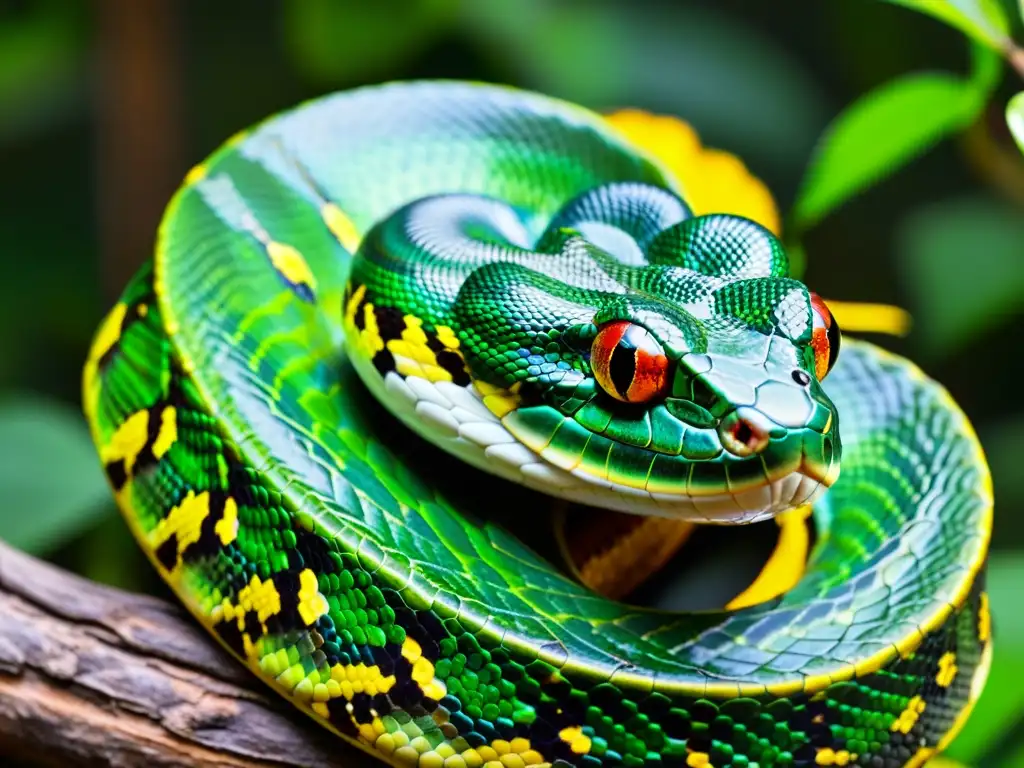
(628,362)
(824,337)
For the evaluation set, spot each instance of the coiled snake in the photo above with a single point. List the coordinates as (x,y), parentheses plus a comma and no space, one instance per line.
(532,295)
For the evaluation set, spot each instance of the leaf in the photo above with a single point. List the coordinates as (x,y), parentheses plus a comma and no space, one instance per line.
(710,68)
(50,478)
(1015,118)
(348,41)
(40,65)
(877,134)
(983,20)
(961,263)
(1002,702)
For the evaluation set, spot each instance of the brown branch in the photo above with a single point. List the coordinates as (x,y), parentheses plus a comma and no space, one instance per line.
(90,675)
(138,109)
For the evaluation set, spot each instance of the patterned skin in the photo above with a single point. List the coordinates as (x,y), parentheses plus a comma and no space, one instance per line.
(624,375)
(347,562)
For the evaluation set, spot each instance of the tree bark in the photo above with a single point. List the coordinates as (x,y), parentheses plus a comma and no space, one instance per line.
(92,676)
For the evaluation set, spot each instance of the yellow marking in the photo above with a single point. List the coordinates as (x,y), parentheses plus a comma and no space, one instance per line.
(780,689)
(909,643)
(947,669)
(787,563)
(423,670)
(699,760)
(371,731)
(922,756)
(827,756)
(908,717)
(861,317)
(236,138)
(142,309)
(341,226)
(289,262)
(408,367)
(413,331)
(184,522)
(984,618)
(168,432)
(370,337)
(447,337)
(196,173)
(109,332)
(977,686)
(227,527)
(312,605)
(128,441)
(499,401)
(353,305)
(106,337)
(411,650)
(260,597)
(349,679)
(420,354)
(577,740)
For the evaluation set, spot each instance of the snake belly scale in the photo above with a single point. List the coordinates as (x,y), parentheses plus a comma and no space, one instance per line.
(530,293)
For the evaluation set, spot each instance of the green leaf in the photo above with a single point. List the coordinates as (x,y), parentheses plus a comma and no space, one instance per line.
(983,20)
(676,58)
(1002,702)
(347,40)
(886,129)
(41,67)
(1015,118)
(50,478)
(960,261)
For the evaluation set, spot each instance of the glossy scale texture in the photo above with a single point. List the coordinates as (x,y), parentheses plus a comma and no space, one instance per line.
(359,580)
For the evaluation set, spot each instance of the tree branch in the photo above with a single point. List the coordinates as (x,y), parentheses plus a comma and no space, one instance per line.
(90,675)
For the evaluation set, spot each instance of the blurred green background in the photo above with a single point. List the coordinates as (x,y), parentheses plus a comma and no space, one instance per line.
(881,131)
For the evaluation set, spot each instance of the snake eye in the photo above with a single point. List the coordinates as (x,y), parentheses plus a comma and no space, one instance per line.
(825,337)
(628,362)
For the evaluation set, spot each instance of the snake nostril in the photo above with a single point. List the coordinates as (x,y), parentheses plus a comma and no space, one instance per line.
(742,435)
(801,377)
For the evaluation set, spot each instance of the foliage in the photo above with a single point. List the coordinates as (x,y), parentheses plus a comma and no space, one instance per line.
(895,204)
(53,507)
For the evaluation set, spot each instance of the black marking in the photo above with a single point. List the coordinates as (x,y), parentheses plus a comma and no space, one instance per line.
(337,714)
(116,473)
(361,706)
(455,365)
(253,627)
(232,636)
(434,344)
(384,362)
(208,543)
(622,369)
(359,317)
(167,553)
(390,323)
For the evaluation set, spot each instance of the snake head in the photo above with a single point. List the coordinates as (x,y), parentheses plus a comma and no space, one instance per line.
(687,385)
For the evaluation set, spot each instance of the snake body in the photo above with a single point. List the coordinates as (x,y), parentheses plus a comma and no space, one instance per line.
(531,294)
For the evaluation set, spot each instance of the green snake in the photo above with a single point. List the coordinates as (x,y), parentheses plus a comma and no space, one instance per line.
(532,296)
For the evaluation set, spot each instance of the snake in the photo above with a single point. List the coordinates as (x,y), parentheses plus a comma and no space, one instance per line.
(376,322)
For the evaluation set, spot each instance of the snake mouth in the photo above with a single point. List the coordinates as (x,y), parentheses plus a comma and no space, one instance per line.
(540,448)
(752,467)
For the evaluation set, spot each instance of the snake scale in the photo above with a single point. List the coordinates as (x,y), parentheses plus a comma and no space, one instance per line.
(531,295)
